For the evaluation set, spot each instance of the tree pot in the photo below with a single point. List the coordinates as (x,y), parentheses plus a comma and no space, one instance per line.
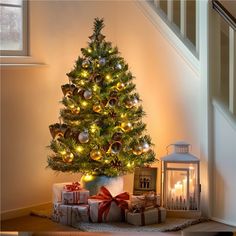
(94,183)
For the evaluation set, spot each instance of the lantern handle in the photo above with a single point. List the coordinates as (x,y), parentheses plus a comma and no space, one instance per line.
(167,148)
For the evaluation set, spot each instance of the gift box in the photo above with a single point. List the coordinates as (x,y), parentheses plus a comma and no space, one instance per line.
(105,208)
(70,215)
(147,200)
(55,212)
(75,197)
(146,217)
(57,190)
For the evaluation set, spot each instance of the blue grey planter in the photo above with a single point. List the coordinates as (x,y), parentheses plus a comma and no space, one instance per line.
(94,183)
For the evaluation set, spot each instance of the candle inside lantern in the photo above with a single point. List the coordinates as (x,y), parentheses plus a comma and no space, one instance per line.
(178,189)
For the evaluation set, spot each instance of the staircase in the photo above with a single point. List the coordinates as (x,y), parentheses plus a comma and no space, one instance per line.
(204,34)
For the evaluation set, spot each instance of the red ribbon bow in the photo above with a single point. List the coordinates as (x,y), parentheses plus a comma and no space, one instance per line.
(75,186)
(107,199)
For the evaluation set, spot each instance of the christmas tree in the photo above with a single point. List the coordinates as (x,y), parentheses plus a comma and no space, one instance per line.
(101,130)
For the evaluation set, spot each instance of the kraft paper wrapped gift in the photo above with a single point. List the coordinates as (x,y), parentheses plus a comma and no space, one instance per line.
(106,208)
(70,215)
(146,217)
(75,197)
(147,200)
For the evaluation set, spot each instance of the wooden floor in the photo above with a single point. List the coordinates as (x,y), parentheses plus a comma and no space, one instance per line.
(37,224)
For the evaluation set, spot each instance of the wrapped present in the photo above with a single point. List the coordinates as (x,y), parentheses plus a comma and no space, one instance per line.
(57,190)
(106,208)
(74,194)
(147,200)
(142,217)
(70,215)
(55,212)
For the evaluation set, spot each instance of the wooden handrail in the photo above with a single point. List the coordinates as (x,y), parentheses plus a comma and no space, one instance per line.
(231,20)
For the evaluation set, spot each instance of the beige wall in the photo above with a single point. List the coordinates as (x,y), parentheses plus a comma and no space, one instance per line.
(58,29)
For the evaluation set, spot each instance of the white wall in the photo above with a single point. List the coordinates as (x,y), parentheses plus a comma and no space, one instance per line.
(224,188)
(58,29)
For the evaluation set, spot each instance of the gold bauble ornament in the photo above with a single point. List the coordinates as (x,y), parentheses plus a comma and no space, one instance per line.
(120,86)
(68,157)
(85,64)
(97,108)
(96,155)
(126,126)
(128,104)
(138,150)
(76,110)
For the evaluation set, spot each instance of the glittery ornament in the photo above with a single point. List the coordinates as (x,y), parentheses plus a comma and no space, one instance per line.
(102,61)
(118,66)
(145,147)
(138,150)
(128,104)
(112,101)
(88,94)
(117,136)
(135,101)
(67,89)
(98,78)
(96,155)
(68,157)
(116,147)
(120,86)
(126,126)
(85,63)
(83,137)
(113,94)
(97,108)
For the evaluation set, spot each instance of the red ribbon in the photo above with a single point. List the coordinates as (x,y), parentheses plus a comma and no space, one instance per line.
(75,186)
(107,199)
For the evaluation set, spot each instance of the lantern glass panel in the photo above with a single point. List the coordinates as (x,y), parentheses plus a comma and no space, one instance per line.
(181,186)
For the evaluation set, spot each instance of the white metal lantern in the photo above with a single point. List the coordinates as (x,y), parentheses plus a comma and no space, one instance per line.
(181,181)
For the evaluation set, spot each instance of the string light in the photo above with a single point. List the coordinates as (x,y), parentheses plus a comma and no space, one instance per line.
(82,82)
(95,88)
(63,152)
(89,50)
(88,177)
(79,149)
(84,103)
(123,115)
(108,77)
(93,128)
(84,73)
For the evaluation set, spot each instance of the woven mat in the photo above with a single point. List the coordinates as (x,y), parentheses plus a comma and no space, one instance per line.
(171,224)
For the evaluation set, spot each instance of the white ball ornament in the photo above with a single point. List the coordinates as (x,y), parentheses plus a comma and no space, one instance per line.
(83,137)
(88,94)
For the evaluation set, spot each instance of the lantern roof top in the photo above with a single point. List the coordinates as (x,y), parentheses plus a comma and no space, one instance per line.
(180,157)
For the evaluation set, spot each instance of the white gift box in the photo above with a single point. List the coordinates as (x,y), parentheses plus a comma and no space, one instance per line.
(75,197)
(148,217)
(55,212)
(114,215)
(70,215)
(57,190)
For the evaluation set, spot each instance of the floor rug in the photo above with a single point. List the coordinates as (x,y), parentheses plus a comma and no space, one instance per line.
(171,224)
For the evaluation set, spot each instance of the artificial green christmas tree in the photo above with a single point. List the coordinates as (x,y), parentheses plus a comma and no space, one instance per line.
(101,132)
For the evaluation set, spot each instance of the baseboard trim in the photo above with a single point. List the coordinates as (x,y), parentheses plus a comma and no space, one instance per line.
(7,215)
(230,223)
